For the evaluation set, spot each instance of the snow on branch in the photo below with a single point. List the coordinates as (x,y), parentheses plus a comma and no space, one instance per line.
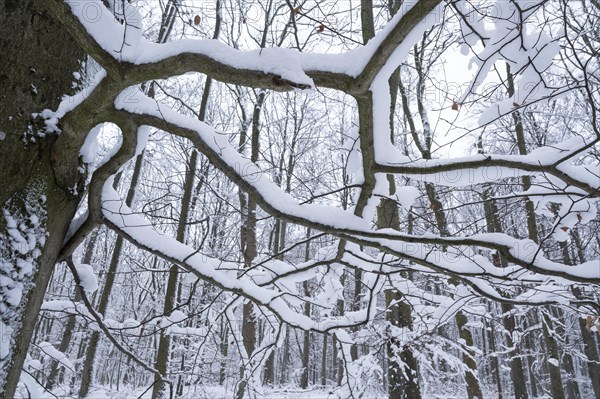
(139,231)
(341,223)
(478,169)
(508,32)
(120,48)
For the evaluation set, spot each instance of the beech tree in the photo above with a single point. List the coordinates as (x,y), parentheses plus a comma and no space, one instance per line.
(378,243)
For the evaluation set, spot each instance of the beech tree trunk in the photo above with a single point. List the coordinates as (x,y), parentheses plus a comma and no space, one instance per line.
(164,344)
(324,362)
(36,70)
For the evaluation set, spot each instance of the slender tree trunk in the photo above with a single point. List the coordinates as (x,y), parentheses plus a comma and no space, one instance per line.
(517,372)
(553,361)
(554,357)
(269,372)
(569,367)
(269,369)
(249,250)
(305,358)
(285,361)
(224,349)
(508,318)
(71,321)
(324,361)
(403,381)
(87,372)
(355,306)
(339,370)
(473,388)
(590,349)
(306,341)
(164,344)
(162,356)
(531,358)
(589,345)
(495,363)
(424,147)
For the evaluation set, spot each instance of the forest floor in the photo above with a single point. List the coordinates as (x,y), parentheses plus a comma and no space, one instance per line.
(220,392)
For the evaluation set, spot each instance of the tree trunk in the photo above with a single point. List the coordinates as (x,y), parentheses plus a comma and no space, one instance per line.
(339,370)
(269,372)
(589,345)
(508,319)
(517,373)
(554,357)
(531,358)
(269,369)
(224,349)
(36,70)
(324,362)
(473,389)
(285,361)
(87,372)
(572,385)
(164,343)
(249,247)
(589,348)
(355,306)
(555,377)
(495,363)
(70,326)
(403,381)
(306,342)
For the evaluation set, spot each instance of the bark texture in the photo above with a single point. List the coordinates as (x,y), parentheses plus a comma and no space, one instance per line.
(33,46)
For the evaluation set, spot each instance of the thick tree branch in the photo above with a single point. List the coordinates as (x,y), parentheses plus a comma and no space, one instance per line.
(61,11)
(406,24)
(129,135)
(184,61)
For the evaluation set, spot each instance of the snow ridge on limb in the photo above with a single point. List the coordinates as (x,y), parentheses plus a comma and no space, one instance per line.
(477,169)
(137,60)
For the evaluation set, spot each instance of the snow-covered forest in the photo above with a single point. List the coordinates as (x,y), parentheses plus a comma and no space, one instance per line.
(300,199)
